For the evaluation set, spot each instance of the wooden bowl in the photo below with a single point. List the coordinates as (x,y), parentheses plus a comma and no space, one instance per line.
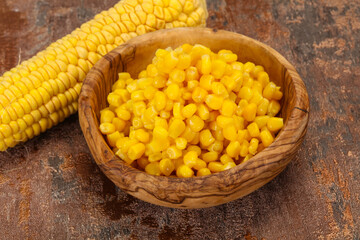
(196,192)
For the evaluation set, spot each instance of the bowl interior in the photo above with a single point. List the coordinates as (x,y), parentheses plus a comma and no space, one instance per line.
(206,191)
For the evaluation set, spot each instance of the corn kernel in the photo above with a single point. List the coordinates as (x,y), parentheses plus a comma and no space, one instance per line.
(261,121)
(228,108)
(136,151)
(230,132)
(180,143)
(269,90)
(228,165)
(184,171)
(218,68)
(250,112)
(177,76)
(199,94)
(166,166)
(189,110)
(273,108)
(176,128)
(173,152)
(215,167)
(203,172)
(226,159)
(214,101)
(107,128)
(190,158)
(233,149)
(262,108)
(244,148)
(196,123)
(253,129)
(142,136)
(153,168)
(274,124)
(210,156)
(254,143)
(206,138)
(173,91)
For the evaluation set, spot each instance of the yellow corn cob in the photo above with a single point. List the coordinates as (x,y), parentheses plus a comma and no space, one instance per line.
(43,91)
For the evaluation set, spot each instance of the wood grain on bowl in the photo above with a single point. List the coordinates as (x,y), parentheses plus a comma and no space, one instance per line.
(209,190)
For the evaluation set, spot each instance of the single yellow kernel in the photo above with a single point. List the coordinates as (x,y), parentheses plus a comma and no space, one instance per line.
(203,111)
(263,78)
(219,89)
(245,93)
(113,137)
(229,165)
(225,158)
(107,128)
(218,68)
(160,100)
(184,171)
(274,124)
(253,129)
(269,90)
(199,94)
(199,164)
(173,152)
(223,121)
(206,82)
(253,146)
(138,95)
(261,121)
(177,76)
(153,168)
(196,123)
(210,156)
(230,132)
(136,151)
(142,136)
(215,167)
(106,115)
(176,128)
(173,91)
(217,146)
(233,149)
(161,122)
(205,64)
(244,149)
(247,157)
(277,94)
(190,158)
(249,112)
(214,101)
(180,143)
(188,134)
(262,108)
(228,108)
(184,61)
(203,172)
(123,113)
(189,110)
(166,166)
(206,138)
(273,108)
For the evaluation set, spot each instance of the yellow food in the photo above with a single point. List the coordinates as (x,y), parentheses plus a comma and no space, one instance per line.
(205,113)
(42,91)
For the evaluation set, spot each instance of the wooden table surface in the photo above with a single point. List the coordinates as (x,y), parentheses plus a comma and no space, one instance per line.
(51,188)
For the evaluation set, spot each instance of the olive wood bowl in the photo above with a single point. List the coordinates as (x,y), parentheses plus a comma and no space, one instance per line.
(214,189)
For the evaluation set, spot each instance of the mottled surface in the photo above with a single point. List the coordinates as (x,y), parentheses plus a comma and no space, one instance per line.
(50,187)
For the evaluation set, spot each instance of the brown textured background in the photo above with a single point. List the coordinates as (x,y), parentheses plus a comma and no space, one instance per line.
(50,187)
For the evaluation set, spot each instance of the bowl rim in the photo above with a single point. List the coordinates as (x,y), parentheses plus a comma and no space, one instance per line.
(299,116)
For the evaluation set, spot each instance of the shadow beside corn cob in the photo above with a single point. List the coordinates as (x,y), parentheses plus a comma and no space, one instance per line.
(42,91)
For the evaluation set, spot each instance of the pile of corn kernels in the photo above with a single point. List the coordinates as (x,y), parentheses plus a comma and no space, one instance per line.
(192,112)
